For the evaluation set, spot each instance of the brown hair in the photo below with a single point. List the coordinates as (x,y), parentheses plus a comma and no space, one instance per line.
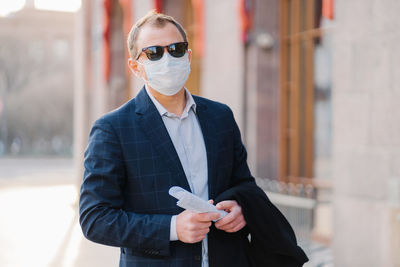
(155,19)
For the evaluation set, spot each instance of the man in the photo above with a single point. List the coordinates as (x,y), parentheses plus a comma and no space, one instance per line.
(162,138)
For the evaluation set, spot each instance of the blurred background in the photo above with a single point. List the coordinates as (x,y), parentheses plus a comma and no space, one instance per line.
(314,86)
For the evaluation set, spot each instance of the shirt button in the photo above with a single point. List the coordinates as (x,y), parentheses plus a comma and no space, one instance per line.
(197,257)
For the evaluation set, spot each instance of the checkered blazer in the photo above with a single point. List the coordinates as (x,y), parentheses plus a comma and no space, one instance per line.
(130,164)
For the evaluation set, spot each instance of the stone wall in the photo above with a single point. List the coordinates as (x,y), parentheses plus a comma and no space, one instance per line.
(366,131)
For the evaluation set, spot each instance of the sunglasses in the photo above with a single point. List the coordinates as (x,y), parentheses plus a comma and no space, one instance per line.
(156,52)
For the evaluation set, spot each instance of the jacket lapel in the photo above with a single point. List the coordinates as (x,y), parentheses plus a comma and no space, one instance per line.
(151,123)
(205,118)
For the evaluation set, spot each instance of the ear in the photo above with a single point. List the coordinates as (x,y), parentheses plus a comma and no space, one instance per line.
(190,55)
(134,66)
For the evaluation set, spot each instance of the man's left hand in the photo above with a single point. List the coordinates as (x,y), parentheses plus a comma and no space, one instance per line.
(234,220)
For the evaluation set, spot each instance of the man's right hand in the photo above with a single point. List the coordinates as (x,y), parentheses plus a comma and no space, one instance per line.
(193,227)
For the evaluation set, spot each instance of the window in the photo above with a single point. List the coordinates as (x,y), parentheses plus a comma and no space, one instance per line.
(305,89)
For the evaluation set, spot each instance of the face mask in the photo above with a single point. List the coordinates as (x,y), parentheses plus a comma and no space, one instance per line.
(167,75)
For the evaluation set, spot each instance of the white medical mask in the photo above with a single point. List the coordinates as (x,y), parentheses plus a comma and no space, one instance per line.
(168,74)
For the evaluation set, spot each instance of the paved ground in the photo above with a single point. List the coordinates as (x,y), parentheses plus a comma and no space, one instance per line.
(39,219)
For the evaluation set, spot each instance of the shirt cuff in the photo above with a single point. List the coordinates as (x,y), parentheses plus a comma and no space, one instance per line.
(173,235)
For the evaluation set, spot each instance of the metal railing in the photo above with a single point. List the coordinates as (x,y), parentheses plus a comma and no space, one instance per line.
(298,202)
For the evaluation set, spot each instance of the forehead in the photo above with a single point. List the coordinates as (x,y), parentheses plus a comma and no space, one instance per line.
(151,35)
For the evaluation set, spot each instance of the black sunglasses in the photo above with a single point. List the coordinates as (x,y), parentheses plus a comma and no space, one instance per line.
(156,52)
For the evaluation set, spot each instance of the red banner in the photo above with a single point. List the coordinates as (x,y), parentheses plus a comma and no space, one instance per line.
(198,14)
(328,8)
(158,5)
(246,18)
(106,38)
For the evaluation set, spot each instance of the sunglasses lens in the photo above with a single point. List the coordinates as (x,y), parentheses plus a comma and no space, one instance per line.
(177,49)
(154,52)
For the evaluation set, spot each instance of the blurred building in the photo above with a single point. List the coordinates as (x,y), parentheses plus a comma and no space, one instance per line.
(36,82)
(312,83)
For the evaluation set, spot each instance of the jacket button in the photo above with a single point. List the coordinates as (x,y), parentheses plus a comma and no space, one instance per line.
(197,257)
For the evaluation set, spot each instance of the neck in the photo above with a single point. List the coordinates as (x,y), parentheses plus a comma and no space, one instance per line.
(174,104)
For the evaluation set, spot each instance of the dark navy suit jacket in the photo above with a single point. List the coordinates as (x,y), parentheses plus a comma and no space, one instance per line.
(130,164)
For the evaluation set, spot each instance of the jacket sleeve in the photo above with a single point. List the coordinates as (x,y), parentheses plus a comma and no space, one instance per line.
(102,217)
(240,172)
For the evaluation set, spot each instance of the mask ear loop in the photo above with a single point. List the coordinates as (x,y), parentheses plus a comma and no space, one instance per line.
(134,73)
(144,80)
(190,53)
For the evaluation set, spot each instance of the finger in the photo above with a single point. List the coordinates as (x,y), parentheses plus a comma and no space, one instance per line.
(198,226)
(199,232)
(188,213)
(211,201)
(230,217)
(204,231)
(207,216)
(226,205)
(236,228)
(200,235)
(204,225)
(228,226)
(240,226)
(233,226)
(195,238)
(199,238)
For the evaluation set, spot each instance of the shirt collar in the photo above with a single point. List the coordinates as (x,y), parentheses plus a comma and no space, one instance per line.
(190,104)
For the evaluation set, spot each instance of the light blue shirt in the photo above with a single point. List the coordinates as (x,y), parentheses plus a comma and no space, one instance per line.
(187,137)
